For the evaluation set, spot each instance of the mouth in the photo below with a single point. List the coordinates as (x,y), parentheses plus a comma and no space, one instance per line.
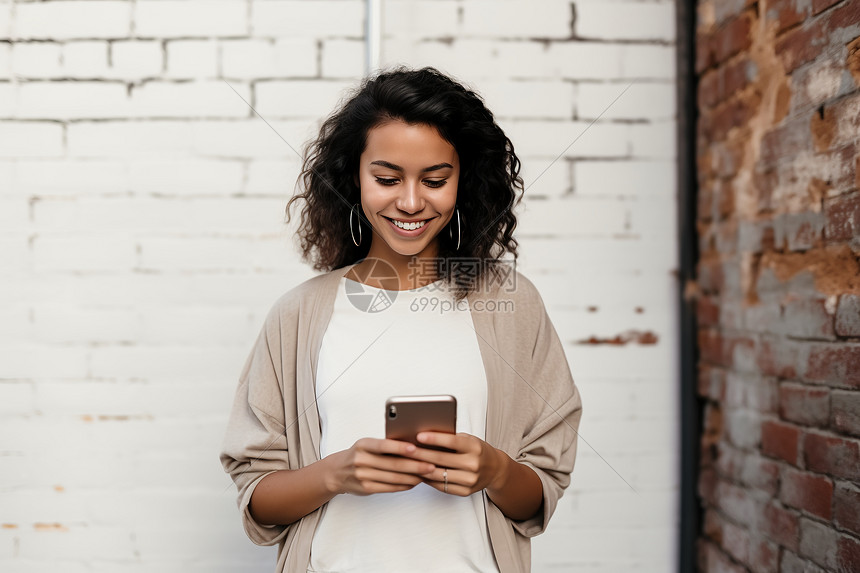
(408,228)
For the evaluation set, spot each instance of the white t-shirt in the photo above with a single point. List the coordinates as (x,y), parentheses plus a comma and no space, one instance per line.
(410,342)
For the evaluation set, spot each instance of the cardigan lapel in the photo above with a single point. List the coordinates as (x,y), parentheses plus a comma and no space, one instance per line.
(487,342)
(320,315)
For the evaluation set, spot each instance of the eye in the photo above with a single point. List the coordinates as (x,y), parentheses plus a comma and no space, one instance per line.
(435,184)
(384,181)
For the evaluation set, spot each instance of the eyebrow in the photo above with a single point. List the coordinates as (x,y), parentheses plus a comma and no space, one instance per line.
(398,168)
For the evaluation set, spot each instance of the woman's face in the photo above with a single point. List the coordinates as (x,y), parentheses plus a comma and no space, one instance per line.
(408,175)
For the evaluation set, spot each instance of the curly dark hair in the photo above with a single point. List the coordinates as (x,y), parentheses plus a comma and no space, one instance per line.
(487,188)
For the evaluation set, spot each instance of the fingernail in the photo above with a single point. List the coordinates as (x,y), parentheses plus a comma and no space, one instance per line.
(410,448)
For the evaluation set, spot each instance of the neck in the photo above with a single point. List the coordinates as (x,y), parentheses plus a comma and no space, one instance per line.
(412,271)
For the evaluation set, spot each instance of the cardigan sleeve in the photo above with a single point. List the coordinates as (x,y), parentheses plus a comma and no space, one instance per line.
(549,445)
(255,443)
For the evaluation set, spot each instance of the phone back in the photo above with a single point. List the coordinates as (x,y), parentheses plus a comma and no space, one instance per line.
(405,416)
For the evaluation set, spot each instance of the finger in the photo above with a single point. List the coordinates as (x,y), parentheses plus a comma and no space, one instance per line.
(371,487)
(453,489)
(437,458)
(386,477)
(455,477)
(386,446)
(396,463)
(457,442)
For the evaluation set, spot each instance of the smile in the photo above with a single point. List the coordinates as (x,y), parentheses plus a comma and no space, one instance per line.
(408,228)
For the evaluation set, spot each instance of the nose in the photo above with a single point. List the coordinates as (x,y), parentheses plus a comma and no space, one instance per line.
(410,200)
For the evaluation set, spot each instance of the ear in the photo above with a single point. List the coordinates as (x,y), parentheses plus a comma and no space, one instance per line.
(355,180)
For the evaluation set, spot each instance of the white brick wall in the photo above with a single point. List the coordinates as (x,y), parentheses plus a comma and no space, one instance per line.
(142,242)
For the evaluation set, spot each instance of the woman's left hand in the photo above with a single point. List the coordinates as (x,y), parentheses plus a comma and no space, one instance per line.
(472,466)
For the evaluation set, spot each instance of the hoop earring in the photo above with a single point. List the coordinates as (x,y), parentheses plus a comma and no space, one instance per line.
(351,230)
(451,233)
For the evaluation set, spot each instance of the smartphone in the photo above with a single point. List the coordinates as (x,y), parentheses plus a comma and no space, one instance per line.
(405,416)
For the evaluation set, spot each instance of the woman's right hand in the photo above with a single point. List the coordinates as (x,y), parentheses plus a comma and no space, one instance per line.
(365,468)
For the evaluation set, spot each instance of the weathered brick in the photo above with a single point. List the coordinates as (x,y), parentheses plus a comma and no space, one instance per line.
(711,347)
(743,428)
(760,473)
(806,318)
(801,45)
(798,231)
(707,311)
(719,85)
(712,427)
(707,485)
(780,524)
(846,504)
(848,315)
(833,455)
(730,118)
(848,553)
(805,405)
(765,316)
(712,525)
(786,14)
(792,563)
(818,542)
(751,391)
(715,559)
(712,382)
(795,216)
(819,6)
(842,218)
(834,365)
(736,541)
(842,119)
(764,182)
(845,411)
(777,357)
(737,502)
(764,555)
(704,51)
(807,491)
(781,440)
(843,21)
(853,60)
(813,88)
(729,464)
(786,141)
(733,36)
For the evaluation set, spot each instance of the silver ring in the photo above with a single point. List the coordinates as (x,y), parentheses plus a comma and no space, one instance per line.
(445,477)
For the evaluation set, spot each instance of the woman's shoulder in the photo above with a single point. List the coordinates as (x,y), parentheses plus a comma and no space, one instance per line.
(507,283)
(306,292)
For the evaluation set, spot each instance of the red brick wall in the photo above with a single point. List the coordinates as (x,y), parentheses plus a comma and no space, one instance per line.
(779,284)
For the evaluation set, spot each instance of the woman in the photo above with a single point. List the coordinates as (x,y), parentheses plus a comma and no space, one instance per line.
(407,207)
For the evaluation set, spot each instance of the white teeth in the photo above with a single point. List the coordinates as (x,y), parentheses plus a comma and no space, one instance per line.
(409,226)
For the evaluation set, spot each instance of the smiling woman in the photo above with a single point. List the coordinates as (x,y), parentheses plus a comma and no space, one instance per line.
(411,146)
(408,196)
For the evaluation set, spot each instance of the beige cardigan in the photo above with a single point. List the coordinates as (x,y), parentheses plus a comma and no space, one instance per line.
(533,408)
